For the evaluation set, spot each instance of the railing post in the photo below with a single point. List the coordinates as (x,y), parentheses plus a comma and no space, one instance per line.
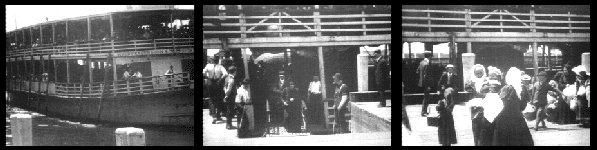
(128,89)
(533,21)
(141,85)
(154,45)
(468,20)
(115,85)
(364,26)
(429,20)
(569,24)
(501,23)
(135,45)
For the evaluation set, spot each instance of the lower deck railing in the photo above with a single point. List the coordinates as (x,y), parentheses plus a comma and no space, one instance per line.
(135,86)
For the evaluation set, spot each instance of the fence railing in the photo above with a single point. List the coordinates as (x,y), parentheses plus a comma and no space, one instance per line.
(105,47)
(136,86)
(465,20)
(310,27)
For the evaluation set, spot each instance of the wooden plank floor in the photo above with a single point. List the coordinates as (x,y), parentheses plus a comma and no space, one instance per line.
(554,135)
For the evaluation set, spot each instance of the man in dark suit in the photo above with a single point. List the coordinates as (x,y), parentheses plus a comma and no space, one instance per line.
(381,76)
(276,100)
(425,81)
(448,84)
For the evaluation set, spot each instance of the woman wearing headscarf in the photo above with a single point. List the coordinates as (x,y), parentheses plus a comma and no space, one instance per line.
(479,86)
(582,110)
(510,126)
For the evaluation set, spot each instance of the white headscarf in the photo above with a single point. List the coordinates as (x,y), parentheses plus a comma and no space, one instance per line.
(514,78)
(478,81)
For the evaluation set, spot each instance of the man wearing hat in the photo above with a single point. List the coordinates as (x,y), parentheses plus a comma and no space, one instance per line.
(425,81)
(539,95)
(448,84)
(276,100)
(381,76)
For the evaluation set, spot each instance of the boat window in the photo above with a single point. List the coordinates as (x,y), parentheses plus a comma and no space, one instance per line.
(77,31)
(60,33)
(100,28)
(47,34)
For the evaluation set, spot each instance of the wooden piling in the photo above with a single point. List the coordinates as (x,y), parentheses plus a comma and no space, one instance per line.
(21,130)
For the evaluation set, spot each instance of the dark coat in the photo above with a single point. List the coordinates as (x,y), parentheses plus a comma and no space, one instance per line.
(424,74)
(510,127)
(454,81)
(382,70)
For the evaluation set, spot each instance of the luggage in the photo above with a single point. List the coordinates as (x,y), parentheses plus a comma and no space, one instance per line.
(433,121)
(529,113)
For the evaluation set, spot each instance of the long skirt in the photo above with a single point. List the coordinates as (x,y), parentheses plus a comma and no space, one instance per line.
(445,131)
(511,130)
(482,131)
(562,113)
(583,112)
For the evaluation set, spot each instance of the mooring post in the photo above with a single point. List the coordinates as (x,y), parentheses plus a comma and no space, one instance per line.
(130,136)
(21,130)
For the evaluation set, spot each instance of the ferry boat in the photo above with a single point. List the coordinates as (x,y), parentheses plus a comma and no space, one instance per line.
(77,67)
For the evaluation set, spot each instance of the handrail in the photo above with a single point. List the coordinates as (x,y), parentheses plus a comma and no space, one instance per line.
(104,47)
(577,23)
(349,25)
(144,85)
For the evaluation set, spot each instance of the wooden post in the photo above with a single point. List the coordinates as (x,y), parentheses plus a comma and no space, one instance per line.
(429,20)
(569,24)
(66,33)
(67,71)
(543,54)
(55,72)
(364,26)
(548,58)
(140,86)
(242,22)
(18,74)
(410,57)
(317,21)
(88,30)
(53,33)
(41,35)
(43,69)
(47,81)
(468,20)
(111,28)
(31,77)
(535,64)
(321,72)
(501,23)
(90,64)
(130,137)
(115,85)
(128,89)
(21,130)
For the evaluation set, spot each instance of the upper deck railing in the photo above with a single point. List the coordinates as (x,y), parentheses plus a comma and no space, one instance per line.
(105,47)
(497,21)
(364,22)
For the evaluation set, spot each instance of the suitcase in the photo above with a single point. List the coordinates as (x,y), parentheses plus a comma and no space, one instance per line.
(433,121)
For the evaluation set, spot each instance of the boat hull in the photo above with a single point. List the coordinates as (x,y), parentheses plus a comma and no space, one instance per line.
(168,108)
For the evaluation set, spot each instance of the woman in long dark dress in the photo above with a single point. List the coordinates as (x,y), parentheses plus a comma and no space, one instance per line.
(445,131)
(293,107)
(478,85)
(510,126)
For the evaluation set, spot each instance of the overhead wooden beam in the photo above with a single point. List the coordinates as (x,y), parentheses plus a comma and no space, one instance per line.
(500,39)
(497,34)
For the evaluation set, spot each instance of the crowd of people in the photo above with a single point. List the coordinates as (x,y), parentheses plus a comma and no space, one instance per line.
(563,100)
(284,103)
